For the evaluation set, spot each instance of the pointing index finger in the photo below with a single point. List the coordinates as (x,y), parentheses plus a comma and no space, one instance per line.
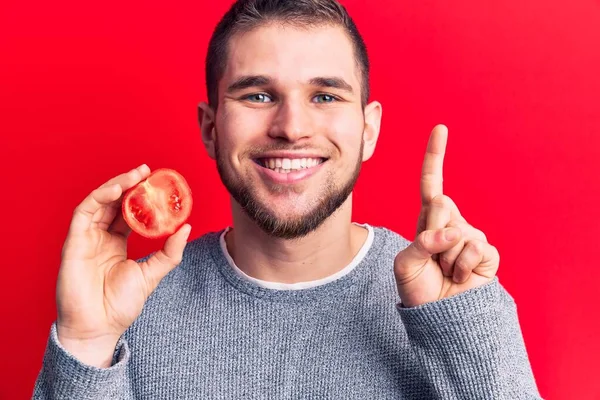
(433,163)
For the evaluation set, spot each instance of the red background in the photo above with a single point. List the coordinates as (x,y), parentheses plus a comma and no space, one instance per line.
(90,90)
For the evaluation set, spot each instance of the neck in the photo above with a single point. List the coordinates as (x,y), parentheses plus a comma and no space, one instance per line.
(317,255)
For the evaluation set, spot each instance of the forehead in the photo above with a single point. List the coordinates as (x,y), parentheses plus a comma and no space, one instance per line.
(292,54)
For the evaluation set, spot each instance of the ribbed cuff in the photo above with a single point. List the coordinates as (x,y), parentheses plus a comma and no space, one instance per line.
(68,378)
(470,345)
(469,305)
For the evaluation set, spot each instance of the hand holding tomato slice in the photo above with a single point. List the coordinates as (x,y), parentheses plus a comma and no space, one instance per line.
(100,292)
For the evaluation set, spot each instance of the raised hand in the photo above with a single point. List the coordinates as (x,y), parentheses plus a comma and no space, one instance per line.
(448,256)
(100,292)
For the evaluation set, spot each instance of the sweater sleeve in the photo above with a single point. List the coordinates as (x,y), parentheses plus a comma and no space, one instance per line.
(64,377)
(470,346)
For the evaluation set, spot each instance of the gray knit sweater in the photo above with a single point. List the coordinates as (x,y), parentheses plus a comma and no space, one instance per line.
(207,333)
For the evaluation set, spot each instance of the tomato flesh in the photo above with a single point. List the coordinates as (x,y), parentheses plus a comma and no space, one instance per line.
(159,205)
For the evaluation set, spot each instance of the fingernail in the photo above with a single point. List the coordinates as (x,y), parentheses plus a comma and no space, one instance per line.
(189,230)
(450,234)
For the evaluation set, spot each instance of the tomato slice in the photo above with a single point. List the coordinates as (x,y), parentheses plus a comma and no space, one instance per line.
(159,205)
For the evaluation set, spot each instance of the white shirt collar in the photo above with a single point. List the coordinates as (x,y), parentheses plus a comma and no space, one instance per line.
(301,285)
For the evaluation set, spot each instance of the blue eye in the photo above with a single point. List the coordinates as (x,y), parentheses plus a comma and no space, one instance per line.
(324,98)
(258,98)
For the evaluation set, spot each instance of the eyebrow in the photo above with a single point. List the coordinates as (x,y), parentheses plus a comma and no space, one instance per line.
(332,82)
(250,81)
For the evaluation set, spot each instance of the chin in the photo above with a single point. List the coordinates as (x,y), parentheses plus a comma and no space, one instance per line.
(292,211)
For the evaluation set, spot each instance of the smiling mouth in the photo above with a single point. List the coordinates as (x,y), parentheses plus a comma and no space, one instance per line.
(287,165)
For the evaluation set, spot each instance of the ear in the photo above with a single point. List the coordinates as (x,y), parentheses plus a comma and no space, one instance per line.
(372,124)
(206,118)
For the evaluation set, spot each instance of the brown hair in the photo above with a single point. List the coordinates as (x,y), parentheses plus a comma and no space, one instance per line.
(244,15)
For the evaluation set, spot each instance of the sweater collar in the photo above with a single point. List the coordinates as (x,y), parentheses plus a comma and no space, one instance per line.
(360,273)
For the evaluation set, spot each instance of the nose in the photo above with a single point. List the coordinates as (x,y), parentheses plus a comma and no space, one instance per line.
(292,122)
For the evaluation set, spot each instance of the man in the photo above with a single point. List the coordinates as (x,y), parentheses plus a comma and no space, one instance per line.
(295,301)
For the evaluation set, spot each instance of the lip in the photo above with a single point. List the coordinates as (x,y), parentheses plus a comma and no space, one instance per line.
(291,177)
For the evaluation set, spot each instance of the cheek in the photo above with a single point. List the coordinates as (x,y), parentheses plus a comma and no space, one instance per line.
(241,127)
(345,132)
(236,135)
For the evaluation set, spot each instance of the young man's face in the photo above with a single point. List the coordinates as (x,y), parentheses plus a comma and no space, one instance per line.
(289,127)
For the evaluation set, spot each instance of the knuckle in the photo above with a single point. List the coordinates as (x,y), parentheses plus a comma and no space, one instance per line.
(464,227)
(480,235)
(462,264)
(475,247)
(447,200)
(428,238)
(79,210)
(428,178)
(135,174)
(438,201)
(446,259)
(494,250)
(96,194)
(454,224)
(172,259)
(177,260)
(421,240)
(441,201)
(162,257)
(472,233)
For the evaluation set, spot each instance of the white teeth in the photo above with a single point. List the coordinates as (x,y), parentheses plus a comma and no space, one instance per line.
(286,165)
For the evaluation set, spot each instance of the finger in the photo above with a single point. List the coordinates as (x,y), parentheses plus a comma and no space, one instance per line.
(448,258)
(477,256)
(87,212)
(455,215)
(112,219)
(119,226)
(131,178)
(438,216)
(427,244)
(442,212)
(439,213)
(432,172)
(83,215)
(163,261)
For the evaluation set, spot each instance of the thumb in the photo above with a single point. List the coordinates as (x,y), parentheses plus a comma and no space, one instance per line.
(428,243)
(165,260)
